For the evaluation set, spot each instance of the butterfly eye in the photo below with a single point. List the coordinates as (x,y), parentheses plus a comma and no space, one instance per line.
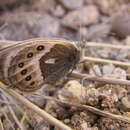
(32,83)
(23,72)
(29,55)
(28,78)
(20,65)
(40,48)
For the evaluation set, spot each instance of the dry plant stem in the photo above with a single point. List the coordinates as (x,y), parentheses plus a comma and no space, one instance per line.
(50,119)
(7,118)
(23,119)
(13,113)
(89,108)
(6,43)
(1,125)
(106,45)
(4,102)
(104,61)
(12,103)
(99,79)
(88,44)
(15,118)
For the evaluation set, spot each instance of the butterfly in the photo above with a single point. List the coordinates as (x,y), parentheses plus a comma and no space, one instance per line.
(31,63)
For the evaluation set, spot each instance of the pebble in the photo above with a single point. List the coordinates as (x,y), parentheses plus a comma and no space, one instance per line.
(104,52)
(95,70)
(43,5)
(121,92)
(81,17)
(73,92)
(46,26)
(120,24)
(59,11)
(128,73)
(98,31)
(125,103)
(119,73)
(31,23)
(88,2)
(108,69)
(67,121)
(72,4)
(5,3)
(106,6)
(127,40)
(92,96)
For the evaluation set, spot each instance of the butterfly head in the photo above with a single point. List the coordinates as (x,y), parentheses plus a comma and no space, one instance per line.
(75,56)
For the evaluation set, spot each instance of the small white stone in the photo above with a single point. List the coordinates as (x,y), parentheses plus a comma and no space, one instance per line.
(73,92)
(95,70)
(119,73)
(108,69)
(72,4)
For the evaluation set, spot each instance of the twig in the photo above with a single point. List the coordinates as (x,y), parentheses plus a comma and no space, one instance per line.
(87,44)
(4,102)
(89,108)
(35,108)
(6,43)
(12,101)
(7,118)
(23,118)
(99,79)
(1,125)
(15,117)
(106,45)
(13,113)
(104,61)
(3,26)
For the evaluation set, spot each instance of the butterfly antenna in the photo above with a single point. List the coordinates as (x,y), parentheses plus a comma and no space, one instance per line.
(82,50)
(82,43)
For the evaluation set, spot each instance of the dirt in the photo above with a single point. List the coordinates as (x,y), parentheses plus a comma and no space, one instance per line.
(106,21)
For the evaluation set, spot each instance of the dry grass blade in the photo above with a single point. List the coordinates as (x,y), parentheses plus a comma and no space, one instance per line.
(7,118)
(23,118)
(90,108)
(1,125)
(15,118)
(106,45)
(13,102)
(50,119)
(100,79)
(13,113)
(104,61)
(88,44)
(6,43)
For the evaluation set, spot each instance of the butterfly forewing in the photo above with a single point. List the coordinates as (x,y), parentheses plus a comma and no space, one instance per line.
(30,64)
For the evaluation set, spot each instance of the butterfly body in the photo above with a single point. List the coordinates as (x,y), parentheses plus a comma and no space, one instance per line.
(30,64)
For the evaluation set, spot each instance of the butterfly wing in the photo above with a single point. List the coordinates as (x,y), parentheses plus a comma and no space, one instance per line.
(30,64)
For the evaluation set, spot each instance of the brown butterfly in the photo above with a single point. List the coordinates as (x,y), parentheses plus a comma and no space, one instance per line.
(30,64)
